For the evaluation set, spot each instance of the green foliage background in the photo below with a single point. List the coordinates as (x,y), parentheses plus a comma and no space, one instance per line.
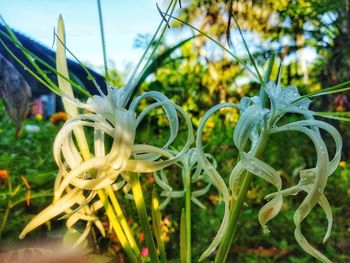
(197,76)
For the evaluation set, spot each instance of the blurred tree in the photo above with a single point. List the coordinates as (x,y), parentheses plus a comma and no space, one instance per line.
(296,23)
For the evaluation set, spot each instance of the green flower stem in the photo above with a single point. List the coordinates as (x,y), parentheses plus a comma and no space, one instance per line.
(117,227)
(122,220)
(188,213)
(225,245)
(8,207)
(134,181)
(32,197)
(5,217)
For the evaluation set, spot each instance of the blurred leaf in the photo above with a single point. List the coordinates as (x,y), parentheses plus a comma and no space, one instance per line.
(159,60)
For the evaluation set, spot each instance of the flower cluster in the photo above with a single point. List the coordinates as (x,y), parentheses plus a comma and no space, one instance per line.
(192,170)
(79,180)
(256,125)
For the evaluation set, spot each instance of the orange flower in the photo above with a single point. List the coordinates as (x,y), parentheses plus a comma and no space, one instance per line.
(141,237)
(3,175)
(57,117)
(150,180)
(28,188)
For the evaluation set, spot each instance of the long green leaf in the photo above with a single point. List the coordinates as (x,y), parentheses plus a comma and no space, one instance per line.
(54,89)
(42,62)
(345,86)
(82,65)
(240,61)
(30,59)
(340,116)
(171,8)
(252,60)
(159,60)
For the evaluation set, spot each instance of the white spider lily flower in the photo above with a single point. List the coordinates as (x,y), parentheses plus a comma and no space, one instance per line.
(282,98)
(190,166)
(313,181)
(82,173)
(254,128)
(109,117)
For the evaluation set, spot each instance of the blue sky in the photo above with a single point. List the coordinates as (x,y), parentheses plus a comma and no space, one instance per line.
(123,20)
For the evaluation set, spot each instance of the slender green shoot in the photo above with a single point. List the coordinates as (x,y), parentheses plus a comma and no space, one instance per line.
(83,67)
(171,7)
(262,93)
(29,58)
(103,40)
(340,116)
(52,69)
(147,48)
(341,113)
(42,62)
(226,243)
(56,90)
(252,60)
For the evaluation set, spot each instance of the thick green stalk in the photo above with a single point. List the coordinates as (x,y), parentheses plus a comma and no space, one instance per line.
(188,213)
(122,220)
(225,245)
(117,227)
(134,180)
(237,206)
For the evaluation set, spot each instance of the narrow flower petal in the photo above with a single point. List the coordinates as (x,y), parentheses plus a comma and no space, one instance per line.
(215,179)
(304,244)
(51,211)
(270,210)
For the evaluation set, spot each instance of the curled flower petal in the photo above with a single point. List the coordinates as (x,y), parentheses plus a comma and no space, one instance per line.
(251,117)
(270,210)
(214,177)
(315,190)
(307,247)
(261,169)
